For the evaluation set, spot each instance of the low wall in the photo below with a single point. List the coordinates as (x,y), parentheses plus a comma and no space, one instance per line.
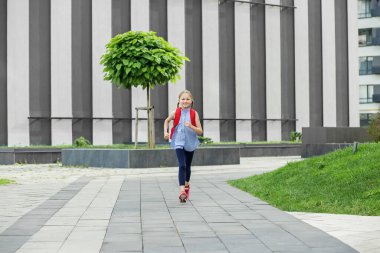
(162,157)
(12,156)
(257,150)
(124,158)
(321,140)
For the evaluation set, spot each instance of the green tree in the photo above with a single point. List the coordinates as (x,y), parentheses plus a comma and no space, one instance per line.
(374,128)
(142,59)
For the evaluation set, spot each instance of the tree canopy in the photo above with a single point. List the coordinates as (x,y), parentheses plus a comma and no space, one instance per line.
(141,59)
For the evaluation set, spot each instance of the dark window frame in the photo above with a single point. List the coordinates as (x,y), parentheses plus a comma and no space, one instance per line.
(368,65)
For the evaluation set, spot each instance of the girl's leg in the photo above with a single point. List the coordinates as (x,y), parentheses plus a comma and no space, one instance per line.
(182,168)
(189,159)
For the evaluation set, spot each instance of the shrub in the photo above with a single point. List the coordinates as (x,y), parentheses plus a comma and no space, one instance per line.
(374,128)
(81,142)
(295,136)
(204,140)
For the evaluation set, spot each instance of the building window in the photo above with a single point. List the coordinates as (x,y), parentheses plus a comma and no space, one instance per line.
(365,118)
(369,37)
(365,65)
(364,8)
(365,37)
(366,93)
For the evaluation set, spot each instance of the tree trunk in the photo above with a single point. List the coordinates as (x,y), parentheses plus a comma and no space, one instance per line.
(150,112)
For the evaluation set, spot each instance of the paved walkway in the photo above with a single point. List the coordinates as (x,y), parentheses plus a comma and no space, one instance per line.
(58,209)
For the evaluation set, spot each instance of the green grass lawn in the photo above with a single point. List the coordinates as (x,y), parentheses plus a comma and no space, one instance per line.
(4,181)
(340,182)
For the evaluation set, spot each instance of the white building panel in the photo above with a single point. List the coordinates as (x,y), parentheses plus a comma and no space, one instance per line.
(301,41)
(366,79)
(176,37)
(243,71)
(61,103)
(363,51)
(328,62)
(18,72)
(273,70)
(101,90)
(210,51)
(363,22)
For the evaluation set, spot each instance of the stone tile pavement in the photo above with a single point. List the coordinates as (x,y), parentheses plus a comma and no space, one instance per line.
(58,209)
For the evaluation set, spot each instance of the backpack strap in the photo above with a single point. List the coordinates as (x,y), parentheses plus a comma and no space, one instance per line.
(177,117)
(192,117)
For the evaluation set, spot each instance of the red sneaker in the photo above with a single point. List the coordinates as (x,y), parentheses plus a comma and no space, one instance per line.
(187,190)
(183,197)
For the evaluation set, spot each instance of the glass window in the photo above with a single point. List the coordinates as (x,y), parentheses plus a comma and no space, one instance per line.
(364,119)
(365,37)
(370,92)
(362,65)
(369,64)
(366,93)
(365,65)
(363,94)
(364,8)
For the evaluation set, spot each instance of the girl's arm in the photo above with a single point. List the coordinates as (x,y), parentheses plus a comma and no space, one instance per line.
(166,125)
(198,128)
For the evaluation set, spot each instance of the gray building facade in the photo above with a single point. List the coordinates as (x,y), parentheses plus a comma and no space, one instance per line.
(258,71)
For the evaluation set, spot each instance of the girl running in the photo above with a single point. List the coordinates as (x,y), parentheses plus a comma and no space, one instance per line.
(184,139)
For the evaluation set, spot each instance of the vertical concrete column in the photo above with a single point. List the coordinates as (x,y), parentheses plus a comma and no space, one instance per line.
(301,44)
(81,53)
(158,22)
(18,72)
(258,73)
(243,71)
(273,70)
(328,62)
(101,90)
(139,22)
(3,73)
(353,78)
(61,105)
(210,50)
(121,98)
(40,71)
(193,45)
(176,37)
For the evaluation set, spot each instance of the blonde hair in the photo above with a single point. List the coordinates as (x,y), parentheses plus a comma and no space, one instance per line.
(188,92)
(183,92)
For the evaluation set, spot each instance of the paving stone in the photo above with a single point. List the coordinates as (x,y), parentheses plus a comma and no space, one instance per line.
(194,244)
(124,228)
(122,243)
(229,228)
(36,247)
(139,211)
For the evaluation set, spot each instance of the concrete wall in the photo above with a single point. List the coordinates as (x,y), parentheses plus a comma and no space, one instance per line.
(256,72)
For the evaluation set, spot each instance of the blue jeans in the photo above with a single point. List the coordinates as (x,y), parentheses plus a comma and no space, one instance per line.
(184,160)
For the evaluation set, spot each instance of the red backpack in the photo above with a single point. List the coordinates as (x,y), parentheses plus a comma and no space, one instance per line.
(177,117)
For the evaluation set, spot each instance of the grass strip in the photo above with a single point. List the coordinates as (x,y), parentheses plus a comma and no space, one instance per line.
(4,181)
(339,182)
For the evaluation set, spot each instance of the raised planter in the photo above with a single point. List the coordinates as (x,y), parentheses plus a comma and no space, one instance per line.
(152,158)
(18,155)
(258,150)
(321,140)
(124,158)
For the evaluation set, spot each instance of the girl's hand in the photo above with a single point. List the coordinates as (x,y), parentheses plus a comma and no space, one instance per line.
(166,136)
(188,124)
